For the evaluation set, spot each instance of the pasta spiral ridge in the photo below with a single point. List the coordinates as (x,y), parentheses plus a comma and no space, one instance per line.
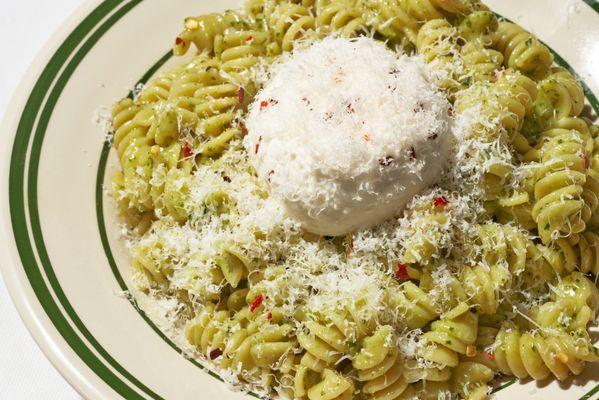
(559,96)
(437,43)
(380,367)
(414,303)
(202,30)
(288,23)
(574,303)
(339,16)
(450,336)
(391,20)
(425,10)
(540,354)
(562,175)
(470,380)
(238,51)
(522,51)
(326,340)
(330,385)
(504,253)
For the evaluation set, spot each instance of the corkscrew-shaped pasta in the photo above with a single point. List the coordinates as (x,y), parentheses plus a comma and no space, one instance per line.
(574,303)
(516,206)
(414,304)
(507,101)
(453,334)
(251,340)
(590,192)
(427,236)
(470,380)
(437,43)
(330,385)
(385,379)
(482,63)
(479,27)
(504,252)
(288,23)
(238,51)
(233,264)
(389,18)
(580,251)
(559,96)
(379,366)
(540,354)
(216,106)
(548,261)
(558,192)
(522,51)
(208,330)
(341,16)
(202,30)
(156,270)
(325,341)
(425,10)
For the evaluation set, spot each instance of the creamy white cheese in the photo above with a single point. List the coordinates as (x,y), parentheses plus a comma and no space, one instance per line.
(346,133)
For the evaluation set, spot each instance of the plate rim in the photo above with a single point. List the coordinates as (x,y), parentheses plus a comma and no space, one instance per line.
(30,309)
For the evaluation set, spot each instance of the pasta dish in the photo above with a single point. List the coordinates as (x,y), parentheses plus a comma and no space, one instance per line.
(372,199)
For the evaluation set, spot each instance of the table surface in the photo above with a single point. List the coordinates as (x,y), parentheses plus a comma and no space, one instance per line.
(25,373)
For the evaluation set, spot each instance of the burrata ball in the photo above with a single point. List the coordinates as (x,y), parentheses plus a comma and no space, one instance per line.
(346,132)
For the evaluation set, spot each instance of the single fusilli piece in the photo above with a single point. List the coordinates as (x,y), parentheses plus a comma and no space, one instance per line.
(522,51)
(561,178)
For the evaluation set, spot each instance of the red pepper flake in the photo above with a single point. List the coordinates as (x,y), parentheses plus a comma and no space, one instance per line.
(187,151)
(269,316)
(385,162)
(412,153)
(440,201)
(226,179)
(216,353)
(266,103)
(240,94)
(401,273)
(585,160)
(244,130)
(258,145)
(179,41)
(257,302)
(490,356)
(271,173)
(450,111)
(249,38)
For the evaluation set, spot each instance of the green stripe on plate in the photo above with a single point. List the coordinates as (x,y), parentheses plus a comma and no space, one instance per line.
(595,6)
(17,201)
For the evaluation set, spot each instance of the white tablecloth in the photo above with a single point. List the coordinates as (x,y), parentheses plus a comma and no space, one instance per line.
(25,374)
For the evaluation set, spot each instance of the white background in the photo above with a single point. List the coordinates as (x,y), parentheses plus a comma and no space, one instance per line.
(25,374)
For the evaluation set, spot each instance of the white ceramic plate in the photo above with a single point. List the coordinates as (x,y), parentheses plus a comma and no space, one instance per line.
(61,257)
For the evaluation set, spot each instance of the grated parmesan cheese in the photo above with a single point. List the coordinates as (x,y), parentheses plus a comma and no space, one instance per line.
(346,133)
